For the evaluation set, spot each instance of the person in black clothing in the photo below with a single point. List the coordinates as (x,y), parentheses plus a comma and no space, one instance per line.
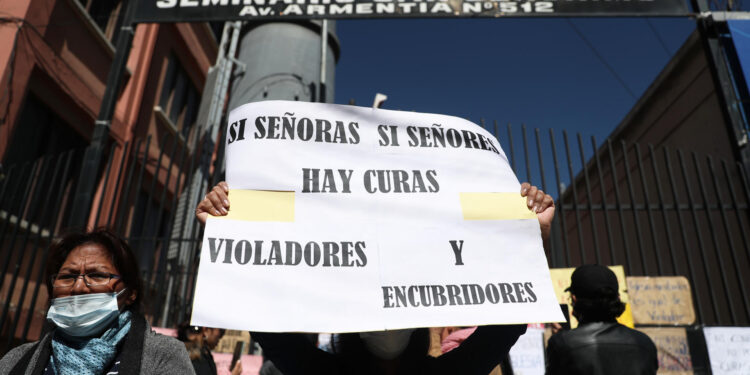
(389,352)
(478,354)
(599,345)
(199,342)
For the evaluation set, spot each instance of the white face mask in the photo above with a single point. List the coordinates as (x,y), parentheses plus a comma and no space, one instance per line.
(386,344)
(84,315)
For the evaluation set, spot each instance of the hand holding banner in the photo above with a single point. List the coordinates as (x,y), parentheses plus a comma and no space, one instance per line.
(347,219)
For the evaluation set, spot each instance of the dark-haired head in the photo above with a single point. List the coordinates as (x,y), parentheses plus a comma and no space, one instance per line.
(76,253)
(187,332)
(604,307)
(595,292)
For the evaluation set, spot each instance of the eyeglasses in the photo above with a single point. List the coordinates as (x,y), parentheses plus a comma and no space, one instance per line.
(67,280)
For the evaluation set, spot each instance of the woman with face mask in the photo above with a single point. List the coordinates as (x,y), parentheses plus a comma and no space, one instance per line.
(95,290)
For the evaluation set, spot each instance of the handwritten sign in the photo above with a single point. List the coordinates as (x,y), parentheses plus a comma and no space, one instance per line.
(347,218)
(561,281)
(728,349)
(664,300)
(230,340)
(527,355)
(672,349)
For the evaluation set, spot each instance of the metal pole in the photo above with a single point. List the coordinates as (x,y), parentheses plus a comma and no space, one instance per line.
(512,151)
(92,157)
(620,209)
(610,243)
(634,209)
(696,224)
(561,206)
(576,205)
(722,77)
(182,226)
(54,214)
(590,199)
(526,153)
(323,57)
(732,249)
(649,209)
(664,214)
(683,231)
(715,241)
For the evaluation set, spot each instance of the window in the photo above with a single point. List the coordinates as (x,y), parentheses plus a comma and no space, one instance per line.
(105,14)
(39,132)
(179,99)
(41,137)
(149,225)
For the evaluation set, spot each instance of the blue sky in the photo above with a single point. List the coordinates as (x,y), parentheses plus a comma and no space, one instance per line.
(534,71)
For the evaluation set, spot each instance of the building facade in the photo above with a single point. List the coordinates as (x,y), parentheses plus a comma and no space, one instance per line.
(54,60)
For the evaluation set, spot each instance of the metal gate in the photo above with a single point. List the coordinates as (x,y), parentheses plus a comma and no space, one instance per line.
(657,211)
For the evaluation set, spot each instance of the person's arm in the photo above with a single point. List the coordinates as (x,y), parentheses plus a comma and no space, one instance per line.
(479,353)
(543,205)
(215,203)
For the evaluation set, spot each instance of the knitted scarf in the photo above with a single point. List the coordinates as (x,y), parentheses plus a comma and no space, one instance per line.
(91,355)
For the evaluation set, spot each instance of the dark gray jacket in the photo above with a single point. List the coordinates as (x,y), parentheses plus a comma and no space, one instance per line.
(601,348)
(142,352)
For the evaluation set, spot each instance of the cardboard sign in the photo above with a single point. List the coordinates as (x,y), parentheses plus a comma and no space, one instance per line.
(728,349)
(561,281)
(347,218)
(527,355)
(672,349)
(230,339)
(664,300)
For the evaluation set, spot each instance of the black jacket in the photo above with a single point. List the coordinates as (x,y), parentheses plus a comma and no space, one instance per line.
(293,354)
(204,365)
(601,348)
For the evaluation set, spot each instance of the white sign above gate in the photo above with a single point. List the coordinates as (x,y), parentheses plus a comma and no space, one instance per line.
(249,10)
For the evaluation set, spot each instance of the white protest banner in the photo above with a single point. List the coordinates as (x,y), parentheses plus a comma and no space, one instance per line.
(527,355)
(347,219)
(728,349)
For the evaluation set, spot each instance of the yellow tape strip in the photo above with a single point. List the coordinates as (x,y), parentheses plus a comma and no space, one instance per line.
(494,206)
(258,205)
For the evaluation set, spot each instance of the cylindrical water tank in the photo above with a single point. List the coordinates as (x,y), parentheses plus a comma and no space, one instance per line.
(283,61)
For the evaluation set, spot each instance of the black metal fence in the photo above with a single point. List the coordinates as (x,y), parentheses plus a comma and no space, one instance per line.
(656,211)
(148,196)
